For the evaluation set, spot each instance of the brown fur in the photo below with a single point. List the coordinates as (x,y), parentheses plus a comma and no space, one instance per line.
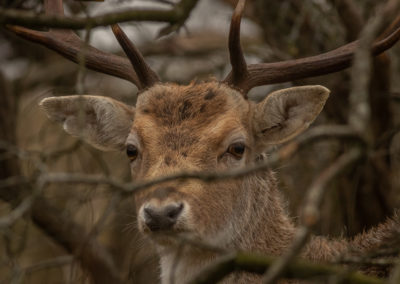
(189,128)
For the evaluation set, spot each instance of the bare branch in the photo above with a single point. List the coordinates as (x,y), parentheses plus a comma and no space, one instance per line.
(258,264)
(49,263)
(69,45)
(284,153)
(14,181)
(70,235)
(317,190)
(29,19)
(310,213)
(17,213)
(13,189)
(350,16)
(361,260)
(360,114)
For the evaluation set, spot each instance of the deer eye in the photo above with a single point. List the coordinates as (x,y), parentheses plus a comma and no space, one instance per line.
(132,152)
(237,150)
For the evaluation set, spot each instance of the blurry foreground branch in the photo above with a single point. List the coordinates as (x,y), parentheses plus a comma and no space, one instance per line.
(23,195)
(298,269)
(93,257)
(311,214)
(361,71)
(281,155)
(29,19)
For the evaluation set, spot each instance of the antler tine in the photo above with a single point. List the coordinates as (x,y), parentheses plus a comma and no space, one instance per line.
(147,76)
(69,45)
(325,63)
(392,27)
(239,66)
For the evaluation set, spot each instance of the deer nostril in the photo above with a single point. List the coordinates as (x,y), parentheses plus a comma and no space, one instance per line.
(174,211)
(163,218)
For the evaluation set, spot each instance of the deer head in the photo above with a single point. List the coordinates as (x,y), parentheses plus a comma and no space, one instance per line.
(199,127)
(209,126)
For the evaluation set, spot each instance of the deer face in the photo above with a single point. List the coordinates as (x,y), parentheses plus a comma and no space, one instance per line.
(199,127)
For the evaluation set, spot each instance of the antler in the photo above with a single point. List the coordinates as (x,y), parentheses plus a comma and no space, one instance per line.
(245,77)
(239,66)
(147,77)
(69,45)
(242,76)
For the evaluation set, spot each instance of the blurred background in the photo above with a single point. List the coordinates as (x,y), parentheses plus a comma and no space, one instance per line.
(359,198)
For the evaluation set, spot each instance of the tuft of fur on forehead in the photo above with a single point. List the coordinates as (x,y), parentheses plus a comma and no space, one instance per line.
(186,123)
(173,105)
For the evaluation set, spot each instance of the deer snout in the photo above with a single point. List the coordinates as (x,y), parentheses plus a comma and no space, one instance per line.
(162,218)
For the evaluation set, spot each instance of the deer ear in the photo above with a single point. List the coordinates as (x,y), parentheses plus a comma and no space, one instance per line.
(102,122)
(286,113)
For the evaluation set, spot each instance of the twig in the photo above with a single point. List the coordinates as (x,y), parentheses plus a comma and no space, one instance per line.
(14,181)
(282,154)
(115,199)
(179,13)
(367,261)
(278,267)
(310,213)
(349,14)
(93,256)
(19,273)
(80,79)
(22,155)
(17,213)
(50,263)
(60,228)
(360,72)
(316,193)
(54,155)
(196,243)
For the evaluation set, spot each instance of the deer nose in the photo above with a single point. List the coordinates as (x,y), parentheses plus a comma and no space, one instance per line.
(158,219)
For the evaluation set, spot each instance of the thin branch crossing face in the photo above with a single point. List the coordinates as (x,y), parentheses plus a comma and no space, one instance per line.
(208,126)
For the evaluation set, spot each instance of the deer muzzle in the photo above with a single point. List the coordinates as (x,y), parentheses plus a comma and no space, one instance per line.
(162,218)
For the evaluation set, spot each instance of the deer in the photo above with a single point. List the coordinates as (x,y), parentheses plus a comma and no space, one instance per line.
(205,126)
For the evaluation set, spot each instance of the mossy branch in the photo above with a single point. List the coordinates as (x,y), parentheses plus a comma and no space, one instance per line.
(298,269)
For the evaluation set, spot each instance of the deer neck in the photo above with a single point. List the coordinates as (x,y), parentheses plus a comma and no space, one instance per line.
(266,217)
